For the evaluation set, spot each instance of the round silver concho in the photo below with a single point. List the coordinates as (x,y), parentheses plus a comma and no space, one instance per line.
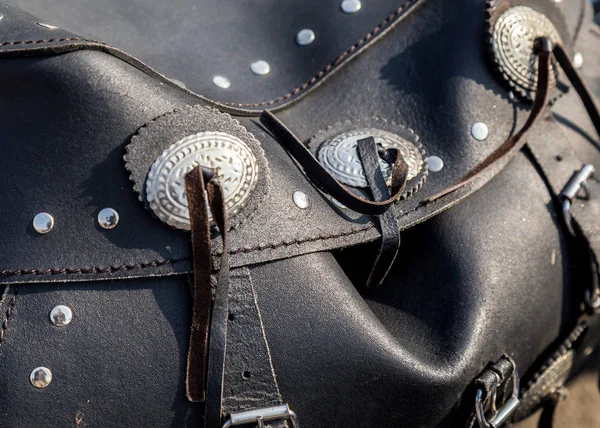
(512,42)
(339,155)
(235,166)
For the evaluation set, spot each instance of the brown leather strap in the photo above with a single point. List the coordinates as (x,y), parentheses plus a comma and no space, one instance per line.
(315,170)
(517,141)
(206,354)
(202,293)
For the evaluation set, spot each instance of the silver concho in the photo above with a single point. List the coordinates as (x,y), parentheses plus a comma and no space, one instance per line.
(235,166)
(339,155)
(512,42)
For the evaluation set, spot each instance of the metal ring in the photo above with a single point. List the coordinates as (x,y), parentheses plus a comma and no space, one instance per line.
(592,303)
(501,416)
(566,211)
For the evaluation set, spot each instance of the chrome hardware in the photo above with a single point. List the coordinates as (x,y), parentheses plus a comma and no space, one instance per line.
(61,315)
(574,186)
(480,131)
(40,377)
(260,68)
(435,163)
(305,37)
(498,417)
(43,223)
(260,416)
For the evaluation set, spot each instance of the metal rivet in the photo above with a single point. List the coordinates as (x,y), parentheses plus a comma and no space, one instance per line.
(260,68)
(351,6)
(40,377)
(305,37)
(577,60)
(435,163)
(222,82)
(43,223)
(1,17)
(479,131)
(47,26)
(300,199)
(108,218)
(61,315)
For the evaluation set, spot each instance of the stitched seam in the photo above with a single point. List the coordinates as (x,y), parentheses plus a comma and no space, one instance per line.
(5,322)
(158,263)
(330,67)
(64,39)
(94,270)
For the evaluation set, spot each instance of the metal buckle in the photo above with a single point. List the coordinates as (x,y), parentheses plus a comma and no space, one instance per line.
(260,416)
(570,192)
(498,417)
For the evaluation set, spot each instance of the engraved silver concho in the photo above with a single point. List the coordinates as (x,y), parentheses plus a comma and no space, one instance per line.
(339,155)
(235,166)
(512,43)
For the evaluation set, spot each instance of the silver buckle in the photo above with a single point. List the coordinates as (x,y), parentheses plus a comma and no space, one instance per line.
(498,417)
(570,192)
(260,416)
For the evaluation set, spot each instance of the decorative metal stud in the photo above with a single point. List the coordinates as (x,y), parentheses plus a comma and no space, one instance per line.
(577,60)
(230,156)
(300,199)
(480,131)
(305,37)
(43,223)
(435,163)
(222,82)
(260,68)
(513,37)
(40,377)
(61,315)
(1,17)
(339,155)
(351,6)
(47,26)
(108,218)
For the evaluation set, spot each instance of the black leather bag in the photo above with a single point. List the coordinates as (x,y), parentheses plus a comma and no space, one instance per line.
(298,141)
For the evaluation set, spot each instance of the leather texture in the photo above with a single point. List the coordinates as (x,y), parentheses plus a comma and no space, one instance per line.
(494,274)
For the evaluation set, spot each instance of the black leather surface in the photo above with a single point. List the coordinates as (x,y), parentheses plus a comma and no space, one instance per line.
(192,42)
(439,95)
(414,344)
(487,277)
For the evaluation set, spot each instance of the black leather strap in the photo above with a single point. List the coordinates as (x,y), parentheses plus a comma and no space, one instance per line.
(315,170)
(388,225)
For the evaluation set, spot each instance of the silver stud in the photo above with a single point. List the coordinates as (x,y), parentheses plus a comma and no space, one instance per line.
(305,37)
(40,377)
(480,131)
(43,223)
(300,199)
(61,315)
(577,60)
(435,163)
(47,26)
(1,17)
(260,68)
(351,6)
(222,82)
(108,218)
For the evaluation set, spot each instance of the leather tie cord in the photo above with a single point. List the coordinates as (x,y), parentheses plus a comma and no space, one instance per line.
(388,225)
(206,356)
(517,141)
(382,206)
(314,169)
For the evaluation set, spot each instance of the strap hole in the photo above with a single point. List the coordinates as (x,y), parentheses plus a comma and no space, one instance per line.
(559,158)
(231,316)
(246,374)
